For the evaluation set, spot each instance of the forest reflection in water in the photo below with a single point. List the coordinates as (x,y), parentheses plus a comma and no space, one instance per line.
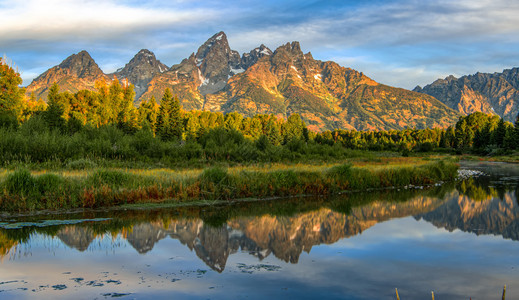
(281,230)
(282,227)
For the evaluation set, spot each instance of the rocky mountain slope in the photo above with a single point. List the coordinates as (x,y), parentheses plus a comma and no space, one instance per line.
(77,72)
(496,93)
(140,70)
(285,81)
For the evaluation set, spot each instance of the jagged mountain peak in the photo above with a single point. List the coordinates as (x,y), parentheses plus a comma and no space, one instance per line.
(140,70)
(448,79)
(145,51)
(248,59)
(81,55)
(216,62)
(217,42)
(81,64)
(144,59)
(293,49)
(145,55)
(77,72)
(262,49)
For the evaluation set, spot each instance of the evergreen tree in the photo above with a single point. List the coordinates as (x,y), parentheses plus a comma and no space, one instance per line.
(508,140)
(443,140)
(500,133)
(272,129)
(53,116)
(176,120)
(163,121)
(128,117)
(170,124)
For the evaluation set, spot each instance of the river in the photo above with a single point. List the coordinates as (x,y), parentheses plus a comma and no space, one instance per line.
(460,240)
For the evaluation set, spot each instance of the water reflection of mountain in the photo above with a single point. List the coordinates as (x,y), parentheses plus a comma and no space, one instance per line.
(76,237)
(284,236)
(497,215)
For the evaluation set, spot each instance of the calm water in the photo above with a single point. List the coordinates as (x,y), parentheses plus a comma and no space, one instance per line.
(459,240)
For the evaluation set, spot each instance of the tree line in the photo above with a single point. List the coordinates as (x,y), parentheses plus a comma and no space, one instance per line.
(478,133)
(111,106)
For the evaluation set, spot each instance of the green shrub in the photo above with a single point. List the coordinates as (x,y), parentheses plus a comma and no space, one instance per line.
(20,182)
(262,143)
(48,183)
(215,175)
(81,164)
(8,120)
(342,172)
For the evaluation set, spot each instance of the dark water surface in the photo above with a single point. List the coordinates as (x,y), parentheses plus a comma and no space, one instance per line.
(459,240)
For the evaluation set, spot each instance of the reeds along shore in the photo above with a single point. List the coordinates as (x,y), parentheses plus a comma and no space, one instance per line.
(20,190)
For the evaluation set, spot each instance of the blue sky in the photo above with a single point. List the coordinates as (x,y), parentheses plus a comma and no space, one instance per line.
(402,43)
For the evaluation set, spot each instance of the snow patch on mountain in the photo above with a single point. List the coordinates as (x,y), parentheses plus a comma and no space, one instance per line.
(237,71)
(265,51)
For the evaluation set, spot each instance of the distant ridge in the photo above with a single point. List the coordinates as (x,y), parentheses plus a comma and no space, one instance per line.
(496,93)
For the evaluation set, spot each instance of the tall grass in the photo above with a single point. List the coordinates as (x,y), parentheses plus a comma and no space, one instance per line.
(21,190)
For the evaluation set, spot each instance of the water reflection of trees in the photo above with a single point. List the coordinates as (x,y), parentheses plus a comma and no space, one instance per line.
(284,228)
(484,188)
(143,228)
(475,190)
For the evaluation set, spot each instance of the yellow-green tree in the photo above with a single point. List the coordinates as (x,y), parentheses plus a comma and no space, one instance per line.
(11,95)
(148,111)
(293,128)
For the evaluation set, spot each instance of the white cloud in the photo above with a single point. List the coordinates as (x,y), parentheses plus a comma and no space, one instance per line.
(400,42)
(400,22)
(86,19)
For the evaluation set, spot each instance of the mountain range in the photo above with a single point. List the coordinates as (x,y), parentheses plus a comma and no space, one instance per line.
(496,93)
(280,82)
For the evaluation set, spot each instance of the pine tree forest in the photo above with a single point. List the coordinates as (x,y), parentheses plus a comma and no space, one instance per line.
(105,123)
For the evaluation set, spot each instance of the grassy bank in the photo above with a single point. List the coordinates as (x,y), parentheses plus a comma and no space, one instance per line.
(22,190)
(511,158)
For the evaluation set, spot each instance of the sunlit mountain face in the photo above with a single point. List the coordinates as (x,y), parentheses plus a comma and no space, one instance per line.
(280,82)
(490,93)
